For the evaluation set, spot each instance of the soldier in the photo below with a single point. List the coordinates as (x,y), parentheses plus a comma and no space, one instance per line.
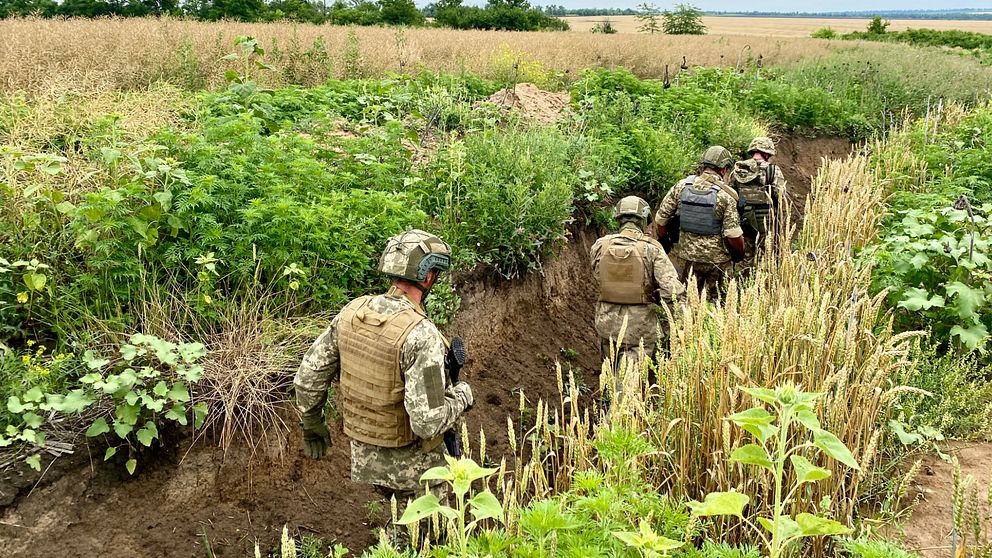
(396,400)
(634,276)
(710,235)
(762,188)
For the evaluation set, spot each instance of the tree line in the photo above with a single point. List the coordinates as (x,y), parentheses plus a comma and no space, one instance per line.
(514,15)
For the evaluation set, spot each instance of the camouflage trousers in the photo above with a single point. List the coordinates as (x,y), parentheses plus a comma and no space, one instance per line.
(710,277)
(399,535)
(626,379)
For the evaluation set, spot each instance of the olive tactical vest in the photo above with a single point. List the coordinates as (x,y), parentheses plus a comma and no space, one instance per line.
(623,276)
(371,381)
(758,202)
(698,211)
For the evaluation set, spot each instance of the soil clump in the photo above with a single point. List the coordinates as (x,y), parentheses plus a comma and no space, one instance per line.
(532,102)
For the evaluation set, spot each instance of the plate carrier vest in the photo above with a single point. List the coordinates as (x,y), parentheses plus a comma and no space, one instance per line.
(623,275)
(698,211)
(758,200)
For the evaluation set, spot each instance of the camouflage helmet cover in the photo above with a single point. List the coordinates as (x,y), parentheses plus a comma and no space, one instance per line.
(412,254)
(746,171)
(762,144)
(632,206)
(717,156)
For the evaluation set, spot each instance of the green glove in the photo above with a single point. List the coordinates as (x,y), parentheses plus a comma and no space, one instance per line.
(316,437)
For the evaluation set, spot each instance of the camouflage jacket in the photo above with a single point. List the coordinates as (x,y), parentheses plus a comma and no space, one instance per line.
(422,366)
(700,248)
(642,319)
(774,193)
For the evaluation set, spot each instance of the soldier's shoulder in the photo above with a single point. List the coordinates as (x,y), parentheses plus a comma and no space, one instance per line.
(425,334)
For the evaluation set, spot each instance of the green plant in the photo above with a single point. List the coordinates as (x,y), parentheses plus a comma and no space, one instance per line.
(824,33)
(684,20)
(459,474)
(772,430)
(604,27)
(877,26)
(866,548)
(647,542)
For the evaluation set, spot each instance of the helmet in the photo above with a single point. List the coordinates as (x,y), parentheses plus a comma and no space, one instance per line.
(410,255)
(632,207)
(762,144)
(746,171)
(717,156)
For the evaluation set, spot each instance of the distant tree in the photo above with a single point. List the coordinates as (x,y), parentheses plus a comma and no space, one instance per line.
(824,33)
(605,27)
(685,20)
(13,8)
(878,26)
(400,12)
(649,19)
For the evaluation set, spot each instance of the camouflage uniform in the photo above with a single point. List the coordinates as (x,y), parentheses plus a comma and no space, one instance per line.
(749,179)
(704,256)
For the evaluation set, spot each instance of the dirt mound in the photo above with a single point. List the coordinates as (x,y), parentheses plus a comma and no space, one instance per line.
(928,530)
(532,102)
(799,158)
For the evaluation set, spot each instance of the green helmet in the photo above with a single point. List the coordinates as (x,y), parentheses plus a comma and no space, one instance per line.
(717,156)
(762,144)
(632,207)
(412,254)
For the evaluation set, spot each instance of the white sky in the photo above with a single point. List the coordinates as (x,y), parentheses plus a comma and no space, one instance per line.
(772,5)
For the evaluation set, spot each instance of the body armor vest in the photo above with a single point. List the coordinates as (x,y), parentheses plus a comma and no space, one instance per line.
(371,382)
(623,275)
(698,211)
(758,201)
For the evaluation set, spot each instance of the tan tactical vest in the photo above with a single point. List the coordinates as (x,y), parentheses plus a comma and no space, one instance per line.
(371,382)
(623,274)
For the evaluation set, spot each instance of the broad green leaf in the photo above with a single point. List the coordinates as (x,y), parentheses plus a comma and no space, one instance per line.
(720,503)
(762,394)
(76,401)
(811,526)
(161,388)
(966,300)
(757,421)
(919,260)
(91,378)
(35,281)
(127,378)
(806,471)
(485,506)
(647,541)
(131,398)
(34,461)
(147,433)
(177,413)
(199,414)
(192,352)
(128,414)
(436,473)
(916,299)
(111,451)
(752,454)
(834,448)
(32,420)
(131,465)
(421,508)
(808,419)
(122,429)
(179,392)
(93,362)
(34,395)
(14,405)
(98,427)
(973,337)
(787,527)
(906,438)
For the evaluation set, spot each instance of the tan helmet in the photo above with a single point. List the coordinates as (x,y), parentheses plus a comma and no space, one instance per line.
(717,156)
(762,144)
(412,254)
(632,207)
(747,170)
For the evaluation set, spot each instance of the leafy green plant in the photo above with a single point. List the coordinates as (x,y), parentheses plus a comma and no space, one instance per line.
(647,542)
(824,33)
(791,407)
(459,474)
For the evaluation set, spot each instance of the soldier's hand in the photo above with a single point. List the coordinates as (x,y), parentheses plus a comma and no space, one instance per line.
(463,392)
(316,437)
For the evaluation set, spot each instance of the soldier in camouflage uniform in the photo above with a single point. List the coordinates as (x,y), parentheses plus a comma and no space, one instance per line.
(762,187)
(634,276)
(396,400)
(710,236)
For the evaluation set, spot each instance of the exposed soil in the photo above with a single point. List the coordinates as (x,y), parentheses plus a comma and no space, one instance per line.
(514,330)
(532,102)
(800,158)
(928,530)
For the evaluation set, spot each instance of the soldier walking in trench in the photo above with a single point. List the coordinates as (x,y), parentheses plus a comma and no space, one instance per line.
(710,235)
(634,276)
(762,189)
(396,399)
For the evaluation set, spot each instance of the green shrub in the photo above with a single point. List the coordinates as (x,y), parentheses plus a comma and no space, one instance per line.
(824,33)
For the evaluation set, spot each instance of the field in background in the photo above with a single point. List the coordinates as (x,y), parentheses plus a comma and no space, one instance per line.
(783,26)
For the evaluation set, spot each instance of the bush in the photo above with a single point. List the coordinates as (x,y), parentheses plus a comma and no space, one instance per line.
(824,33)
(685,20)
(507,15)
(605,27)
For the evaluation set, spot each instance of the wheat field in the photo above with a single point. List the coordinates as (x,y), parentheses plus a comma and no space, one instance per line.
(783,26)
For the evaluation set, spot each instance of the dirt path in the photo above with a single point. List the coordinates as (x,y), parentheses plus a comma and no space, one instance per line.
(515,330)
(928,530)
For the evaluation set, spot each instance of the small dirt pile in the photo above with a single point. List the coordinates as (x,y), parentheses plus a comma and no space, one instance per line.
(532,102)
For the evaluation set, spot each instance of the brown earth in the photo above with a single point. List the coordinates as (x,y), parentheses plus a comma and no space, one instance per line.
(515,330)
(532,102)
(928,529)
(799,159)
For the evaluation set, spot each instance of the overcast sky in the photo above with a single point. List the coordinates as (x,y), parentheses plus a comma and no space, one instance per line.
(773,5)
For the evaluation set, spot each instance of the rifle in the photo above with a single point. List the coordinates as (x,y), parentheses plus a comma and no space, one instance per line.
(454,360)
